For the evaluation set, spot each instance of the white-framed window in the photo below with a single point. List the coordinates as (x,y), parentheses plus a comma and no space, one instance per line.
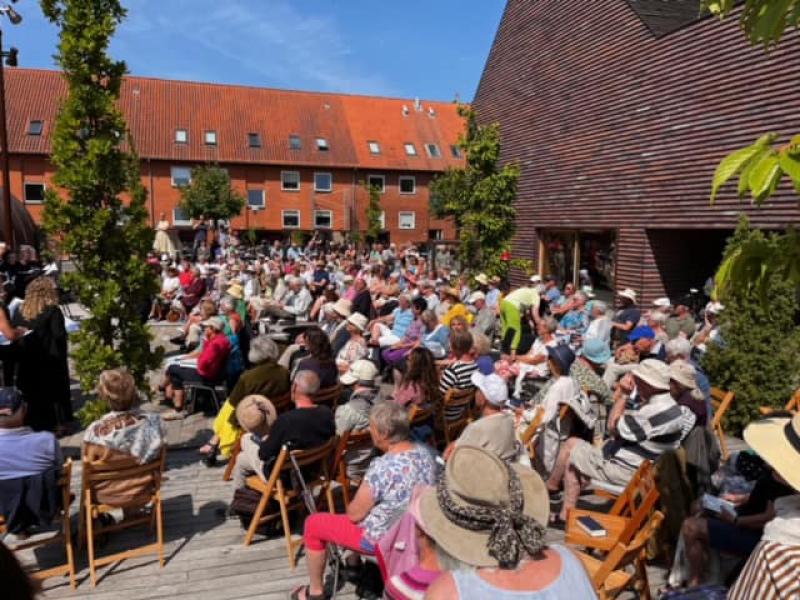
(181,176)
(181,136)
(322,144)
(290,181)
(377,181)
(435,234)
(254,140)
(323,219)
(374,147)
(407,220)
(433,150)
(407,184)
(35,127)
(291,219)
(256,199)
(180,218)
(211,138)
(34,192)
(411,149)
(323,182)
(455,150)
(382,220)
(294,142)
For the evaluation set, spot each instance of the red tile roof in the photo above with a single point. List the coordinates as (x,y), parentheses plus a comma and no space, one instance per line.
(155,108)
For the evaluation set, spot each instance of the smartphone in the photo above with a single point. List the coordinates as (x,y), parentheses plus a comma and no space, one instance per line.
(592,527)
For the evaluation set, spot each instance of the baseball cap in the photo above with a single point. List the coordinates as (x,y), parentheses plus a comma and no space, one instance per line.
(361,370)
(642,332)
(10,401)
(493,387)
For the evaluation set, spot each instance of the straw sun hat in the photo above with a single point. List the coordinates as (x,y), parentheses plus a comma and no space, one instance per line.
(484,512)
(777,441)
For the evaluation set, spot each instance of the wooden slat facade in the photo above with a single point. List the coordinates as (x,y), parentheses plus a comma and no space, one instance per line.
(615,128)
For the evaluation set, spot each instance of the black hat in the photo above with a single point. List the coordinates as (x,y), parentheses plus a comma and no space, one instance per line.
(562,355)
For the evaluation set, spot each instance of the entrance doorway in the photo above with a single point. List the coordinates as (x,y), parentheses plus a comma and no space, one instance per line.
(582,257)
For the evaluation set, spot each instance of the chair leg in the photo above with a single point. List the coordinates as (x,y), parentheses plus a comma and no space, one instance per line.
(329,497)
(68,548)
(287,531)
(90,542)
(81,524)
(251,531)
(345,491)
(159,528)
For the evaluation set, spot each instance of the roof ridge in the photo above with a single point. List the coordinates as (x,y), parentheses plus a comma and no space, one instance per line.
(132,77)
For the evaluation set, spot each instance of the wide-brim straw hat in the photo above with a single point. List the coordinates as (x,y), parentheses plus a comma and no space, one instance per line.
(343,307)
(654,372)
(482,279)
(358,320)
(627,293)
(236,291)
(474,476)
(777,441)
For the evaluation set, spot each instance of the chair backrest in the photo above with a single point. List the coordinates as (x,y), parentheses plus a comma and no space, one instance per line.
(794,402)
(642,481)
(349,440)
(282,403)
(97,471)
(456,411)
(329,396)
(527,436)
(319,456)
(721,401)
(418,416)
(623,554)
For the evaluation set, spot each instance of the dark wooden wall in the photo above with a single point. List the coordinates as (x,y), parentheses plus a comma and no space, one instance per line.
(615,128)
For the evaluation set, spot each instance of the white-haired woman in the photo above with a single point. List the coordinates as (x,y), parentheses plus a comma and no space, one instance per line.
(381,499)
(266,378)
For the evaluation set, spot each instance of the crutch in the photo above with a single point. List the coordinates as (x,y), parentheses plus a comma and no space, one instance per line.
(335,557)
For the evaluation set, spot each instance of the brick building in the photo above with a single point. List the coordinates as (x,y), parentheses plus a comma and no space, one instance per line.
(300,158)
(618,112)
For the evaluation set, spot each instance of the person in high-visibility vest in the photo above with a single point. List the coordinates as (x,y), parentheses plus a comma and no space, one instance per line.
(513,307)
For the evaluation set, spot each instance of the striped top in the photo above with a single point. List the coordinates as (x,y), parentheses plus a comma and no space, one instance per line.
(649,431)
(457,375)
(772,573)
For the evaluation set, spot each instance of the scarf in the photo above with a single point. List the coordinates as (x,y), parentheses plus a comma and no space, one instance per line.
(510,530)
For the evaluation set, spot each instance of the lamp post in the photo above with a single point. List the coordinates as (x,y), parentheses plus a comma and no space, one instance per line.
(10,59)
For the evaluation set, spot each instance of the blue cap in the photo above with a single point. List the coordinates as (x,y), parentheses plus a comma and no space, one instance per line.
(642,332)
(10,401)
(596,350)
(562,355)
(485,365)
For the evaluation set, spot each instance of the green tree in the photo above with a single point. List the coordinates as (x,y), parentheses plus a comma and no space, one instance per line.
(759,357)
(374,210)
(108,239)
(479,197)
(210,194)
(761,166)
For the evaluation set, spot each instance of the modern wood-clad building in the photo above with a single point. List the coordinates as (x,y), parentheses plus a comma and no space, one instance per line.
(618,112)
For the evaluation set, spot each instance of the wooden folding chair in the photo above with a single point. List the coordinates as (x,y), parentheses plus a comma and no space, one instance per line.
(527,438)
(456,412)
(349,441)
(282,404)
(418,416)
(96,472)
(721,401)
(329,396)
(624,567)
(288,498)
(792,406)
(64,536)
(626,518)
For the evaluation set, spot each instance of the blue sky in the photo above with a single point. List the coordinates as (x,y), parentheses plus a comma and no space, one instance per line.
(411,48)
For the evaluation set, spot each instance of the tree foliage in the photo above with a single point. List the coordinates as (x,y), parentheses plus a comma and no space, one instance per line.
(107,239)
(374,210)
(480,198)
(210,194)
(759,357)
(761,166)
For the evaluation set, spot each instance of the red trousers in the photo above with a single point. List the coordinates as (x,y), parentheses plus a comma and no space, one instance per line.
(323,527)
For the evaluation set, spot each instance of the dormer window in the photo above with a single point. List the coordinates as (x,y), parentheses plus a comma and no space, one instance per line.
(294,142)
(322,144)
(35,127)
(411,149)
(374,147)
(456,151)
(433,150)
(181,136)
(211,138)
(254,140)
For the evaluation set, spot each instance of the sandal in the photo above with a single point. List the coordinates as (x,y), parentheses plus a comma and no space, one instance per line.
(307,595)
(209,452)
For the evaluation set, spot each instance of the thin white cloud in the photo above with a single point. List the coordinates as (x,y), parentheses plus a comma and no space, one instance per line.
(274,41)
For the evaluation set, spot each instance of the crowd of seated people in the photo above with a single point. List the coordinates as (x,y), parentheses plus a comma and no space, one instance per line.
(391,338)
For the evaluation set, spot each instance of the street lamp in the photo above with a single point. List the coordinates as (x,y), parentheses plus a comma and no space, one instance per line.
(11,61)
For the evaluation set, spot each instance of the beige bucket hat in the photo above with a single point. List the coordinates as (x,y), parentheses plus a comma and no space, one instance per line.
(777,441)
